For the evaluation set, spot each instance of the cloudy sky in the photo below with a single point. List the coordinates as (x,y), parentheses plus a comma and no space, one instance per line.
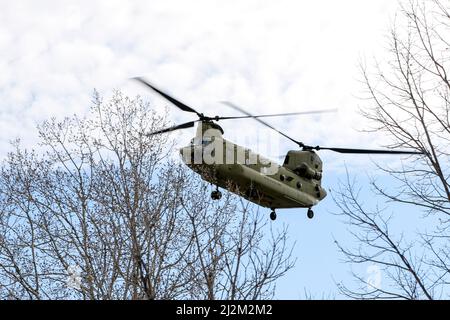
(268,56)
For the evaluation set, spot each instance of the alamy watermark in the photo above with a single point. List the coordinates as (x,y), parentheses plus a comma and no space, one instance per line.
(373,278)
(73,280)
(212,149)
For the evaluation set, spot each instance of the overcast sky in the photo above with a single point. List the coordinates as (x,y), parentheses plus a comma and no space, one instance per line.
(267,56)
(264,55)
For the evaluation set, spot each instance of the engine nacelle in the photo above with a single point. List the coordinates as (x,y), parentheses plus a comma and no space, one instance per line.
(306,164)
(303,170)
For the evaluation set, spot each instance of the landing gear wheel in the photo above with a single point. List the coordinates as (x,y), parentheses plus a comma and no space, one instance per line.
(273,215)
(216,195)
(310,213)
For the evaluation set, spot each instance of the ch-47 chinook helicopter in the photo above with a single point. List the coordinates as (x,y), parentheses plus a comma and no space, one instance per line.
(295,184)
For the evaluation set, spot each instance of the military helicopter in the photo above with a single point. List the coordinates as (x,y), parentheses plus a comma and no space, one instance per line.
(294,184)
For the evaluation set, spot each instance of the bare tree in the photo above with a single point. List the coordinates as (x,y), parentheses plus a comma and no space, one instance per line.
(103,211)
(410,103)
(232,266)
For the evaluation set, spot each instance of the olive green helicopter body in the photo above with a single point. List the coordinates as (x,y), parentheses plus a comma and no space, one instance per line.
(294,184)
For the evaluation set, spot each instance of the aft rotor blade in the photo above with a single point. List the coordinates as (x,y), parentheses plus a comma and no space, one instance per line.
(177,103)
(280,114)
(366,151)
(260,121)
(186,125)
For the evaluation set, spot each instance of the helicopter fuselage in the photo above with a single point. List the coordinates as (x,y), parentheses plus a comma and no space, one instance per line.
(297,183)
(252,176)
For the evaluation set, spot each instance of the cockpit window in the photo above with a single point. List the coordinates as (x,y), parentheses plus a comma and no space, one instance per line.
(286,160)
(204,141)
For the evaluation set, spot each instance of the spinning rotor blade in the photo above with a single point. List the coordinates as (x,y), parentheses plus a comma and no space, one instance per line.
(186,125)
(260,121)
(306,147)
(190,124)
(177,103)
(279,114)
(364,151)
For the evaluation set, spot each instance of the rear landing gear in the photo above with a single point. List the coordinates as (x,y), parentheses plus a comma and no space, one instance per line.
(216,194)
(273,215)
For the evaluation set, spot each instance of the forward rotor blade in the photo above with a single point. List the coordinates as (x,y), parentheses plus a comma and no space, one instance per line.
(177,103)
(231,105)
(280,114)
(366,151)
(186,125)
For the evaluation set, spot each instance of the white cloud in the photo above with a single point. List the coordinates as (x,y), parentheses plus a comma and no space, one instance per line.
(268,56)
